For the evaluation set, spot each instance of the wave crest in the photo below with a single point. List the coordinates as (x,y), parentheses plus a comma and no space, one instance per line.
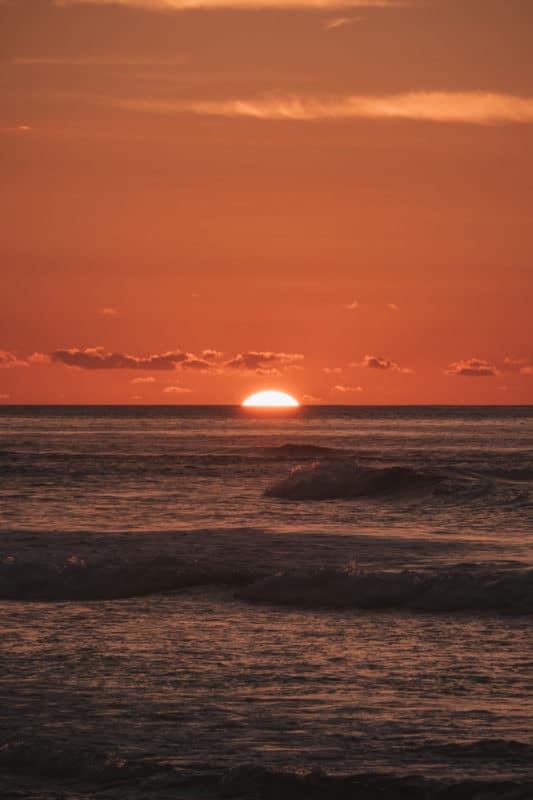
(38,759)
(346,479)
(448,590)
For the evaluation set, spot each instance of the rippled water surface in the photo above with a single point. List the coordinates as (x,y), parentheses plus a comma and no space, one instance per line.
(183,591)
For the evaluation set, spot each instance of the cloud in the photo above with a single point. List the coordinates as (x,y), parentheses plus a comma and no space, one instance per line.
(5,396)
(353,306)
(176,390)
(180,5)
(509,361)
(143,380)
(17,129)
(96,358)
(264,362)
(39,358)
(10,360)
(340,22)
(472,368)
(393,307)
(346,389)
(377,362)
(476,108)
(95,61)
(309,398)
(108,312)
(212,355)
(526,371)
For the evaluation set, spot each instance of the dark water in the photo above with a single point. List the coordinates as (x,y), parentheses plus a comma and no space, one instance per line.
(187,590)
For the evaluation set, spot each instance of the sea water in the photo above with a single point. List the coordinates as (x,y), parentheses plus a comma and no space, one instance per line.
(222,600)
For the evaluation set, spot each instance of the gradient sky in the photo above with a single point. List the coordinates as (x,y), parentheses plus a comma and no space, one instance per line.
(205,198)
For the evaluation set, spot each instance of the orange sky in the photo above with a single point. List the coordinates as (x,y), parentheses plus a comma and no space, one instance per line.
(336,197)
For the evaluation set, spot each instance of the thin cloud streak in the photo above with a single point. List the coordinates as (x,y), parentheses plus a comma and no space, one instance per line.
(95,61)
(181,5)
(341,22)
(479,108)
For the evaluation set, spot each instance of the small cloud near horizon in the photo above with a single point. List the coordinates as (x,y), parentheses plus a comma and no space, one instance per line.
(381,363)
(176,390)
(96,358)
(9,360)
(210,354)
(108,312)
(39,358)
(511,362)
(264,362)
(472,368)
(346,389)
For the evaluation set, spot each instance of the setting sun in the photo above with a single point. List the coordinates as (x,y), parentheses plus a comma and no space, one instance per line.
(271,399)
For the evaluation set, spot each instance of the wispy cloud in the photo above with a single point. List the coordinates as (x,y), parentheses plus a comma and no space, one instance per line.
(176,390)
(143,380)
(180,5)
(108,312)
(17,129)
(96,358)
(340,22)
(479,108)
(353,306)
(102,60)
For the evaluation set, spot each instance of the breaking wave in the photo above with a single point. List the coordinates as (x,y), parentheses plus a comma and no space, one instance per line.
(295,451)
(80,579)
(507,750)
(347,479)
(259,782)
(83,768)
(447,589)
(38,759)
(459,588)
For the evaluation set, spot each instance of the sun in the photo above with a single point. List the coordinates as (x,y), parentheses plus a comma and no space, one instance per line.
(270,399)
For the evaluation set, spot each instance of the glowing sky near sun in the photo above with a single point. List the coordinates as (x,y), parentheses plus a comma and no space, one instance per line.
(333,198)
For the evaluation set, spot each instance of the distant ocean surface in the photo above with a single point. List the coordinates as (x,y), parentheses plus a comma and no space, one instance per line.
(315,602)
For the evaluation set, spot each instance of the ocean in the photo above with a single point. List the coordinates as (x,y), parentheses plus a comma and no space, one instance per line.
(225,602)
